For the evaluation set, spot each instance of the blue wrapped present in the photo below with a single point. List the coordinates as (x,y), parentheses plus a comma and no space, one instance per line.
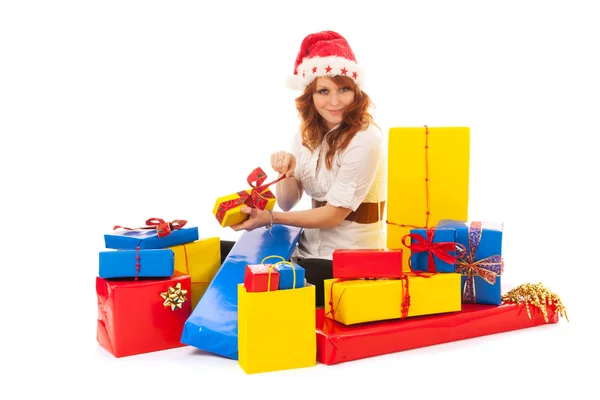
(157,234)
(479,260)
(287,272)
(432,250)
(213,325)
(137,264)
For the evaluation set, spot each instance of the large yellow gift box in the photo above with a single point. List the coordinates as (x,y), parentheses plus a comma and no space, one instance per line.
(428,180)
(276,329)
(200,260)
(361,300)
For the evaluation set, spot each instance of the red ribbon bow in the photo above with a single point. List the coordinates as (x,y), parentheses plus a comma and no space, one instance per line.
(254,199)
(441,250)
(162,228)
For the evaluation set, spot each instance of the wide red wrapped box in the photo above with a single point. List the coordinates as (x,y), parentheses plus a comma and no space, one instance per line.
(367,263)
(337,343)
(143,316)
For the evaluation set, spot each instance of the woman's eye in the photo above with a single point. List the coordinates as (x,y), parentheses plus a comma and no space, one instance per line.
(344,89)
(323,91)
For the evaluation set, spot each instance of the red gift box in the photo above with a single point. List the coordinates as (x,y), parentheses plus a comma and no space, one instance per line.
(367,263)
(337,343)
(136,317)
(259,277)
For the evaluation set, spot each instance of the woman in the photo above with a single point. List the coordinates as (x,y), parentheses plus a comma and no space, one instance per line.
(336,158)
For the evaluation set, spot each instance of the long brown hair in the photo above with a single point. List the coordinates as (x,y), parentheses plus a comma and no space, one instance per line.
(314,128)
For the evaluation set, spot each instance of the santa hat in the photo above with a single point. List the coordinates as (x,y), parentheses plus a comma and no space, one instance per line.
(324,53)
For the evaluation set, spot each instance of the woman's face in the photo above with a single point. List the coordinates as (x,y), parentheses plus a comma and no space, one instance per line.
(331,100)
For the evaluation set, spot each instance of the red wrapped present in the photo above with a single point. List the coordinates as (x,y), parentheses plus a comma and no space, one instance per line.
(143,316)
(337,343)
(367,263)
(261,278)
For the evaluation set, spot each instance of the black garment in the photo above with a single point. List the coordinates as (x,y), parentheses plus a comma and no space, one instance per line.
(316,270)
(226,246)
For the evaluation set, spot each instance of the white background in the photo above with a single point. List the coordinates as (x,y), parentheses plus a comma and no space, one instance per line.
(112,112)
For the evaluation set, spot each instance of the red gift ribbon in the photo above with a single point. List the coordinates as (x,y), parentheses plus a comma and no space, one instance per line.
(162,228)
(487,268)
(441,250)
(254,199)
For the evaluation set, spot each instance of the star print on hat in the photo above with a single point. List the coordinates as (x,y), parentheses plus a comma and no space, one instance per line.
(324,53)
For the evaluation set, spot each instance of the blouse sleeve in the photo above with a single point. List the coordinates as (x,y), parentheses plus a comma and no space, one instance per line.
(358,169)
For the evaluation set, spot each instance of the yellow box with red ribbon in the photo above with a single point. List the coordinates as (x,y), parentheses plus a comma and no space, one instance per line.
(200,260)
(227,209)
(276,329)
(366,300)
(428,179)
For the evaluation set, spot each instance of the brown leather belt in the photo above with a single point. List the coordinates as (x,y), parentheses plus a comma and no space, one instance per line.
(366,213)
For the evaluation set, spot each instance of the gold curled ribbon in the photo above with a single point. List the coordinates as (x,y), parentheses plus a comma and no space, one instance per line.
(174,297)
(537,295)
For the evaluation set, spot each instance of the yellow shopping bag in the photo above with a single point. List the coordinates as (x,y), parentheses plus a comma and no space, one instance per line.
(276,329)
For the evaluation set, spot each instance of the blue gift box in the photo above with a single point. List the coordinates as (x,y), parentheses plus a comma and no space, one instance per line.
(148,238)
(213,324)
(419,261)
(487,241)
(286,276)
(123,263)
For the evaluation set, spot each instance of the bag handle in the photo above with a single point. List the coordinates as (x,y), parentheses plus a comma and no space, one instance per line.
(283,261)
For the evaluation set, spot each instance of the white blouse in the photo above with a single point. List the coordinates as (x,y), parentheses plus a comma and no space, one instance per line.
(358,175)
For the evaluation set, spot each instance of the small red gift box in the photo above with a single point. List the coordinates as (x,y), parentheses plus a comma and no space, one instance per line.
(142,316)
(259,277)
(367,263)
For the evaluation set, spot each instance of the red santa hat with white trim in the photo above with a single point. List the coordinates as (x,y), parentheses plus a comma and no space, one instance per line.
(324,53)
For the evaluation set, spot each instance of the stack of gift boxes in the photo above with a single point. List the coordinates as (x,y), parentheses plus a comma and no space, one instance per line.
(149,281)
(438,279)
(448,265)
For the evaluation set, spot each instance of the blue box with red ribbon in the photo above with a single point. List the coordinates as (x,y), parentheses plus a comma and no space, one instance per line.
(148,263)
(432,250)
(157,234)
(479,260)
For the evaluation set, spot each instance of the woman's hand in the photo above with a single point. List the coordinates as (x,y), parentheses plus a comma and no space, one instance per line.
(257,219)
(284,163)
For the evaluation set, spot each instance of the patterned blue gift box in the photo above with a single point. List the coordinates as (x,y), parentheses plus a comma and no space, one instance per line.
(480,263)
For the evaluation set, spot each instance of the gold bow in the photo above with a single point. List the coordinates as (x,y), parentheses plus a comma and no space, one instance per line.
(174,297)
(537,295)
